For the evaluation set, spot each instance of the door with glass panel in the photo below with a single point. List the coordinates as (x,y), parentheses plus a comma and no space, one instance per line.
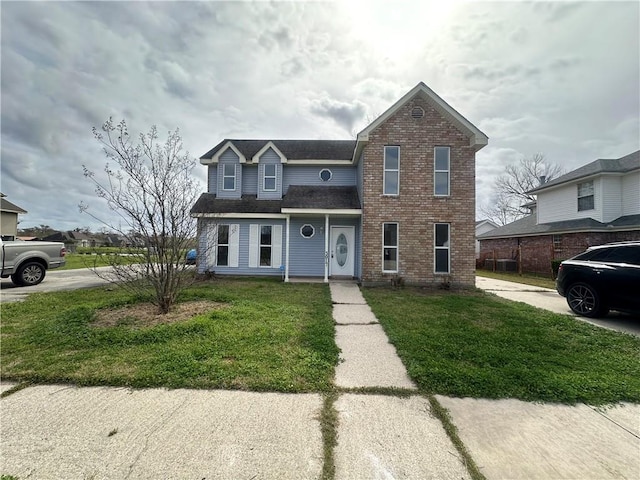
(341,252)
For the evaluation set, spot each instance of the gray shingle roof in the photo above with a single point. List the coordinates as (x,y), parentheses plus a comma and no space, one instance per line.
(293,149)
(321,197)
(209,203)
(602,165)
(527,227)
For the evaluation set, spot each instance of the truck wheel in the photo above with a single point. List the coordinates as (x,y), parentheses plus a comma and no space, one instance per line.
(30,273)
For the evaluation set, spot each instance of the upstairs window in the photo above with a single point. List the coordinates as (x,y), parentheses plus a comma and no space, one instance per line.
(229,176)
(390,247)
(391,170)
(442,163)
(585,196)
(269,179)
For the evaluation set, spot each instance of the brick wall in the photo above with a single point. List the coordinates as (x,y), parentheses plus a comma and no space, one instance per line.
(538,252)
(416,209)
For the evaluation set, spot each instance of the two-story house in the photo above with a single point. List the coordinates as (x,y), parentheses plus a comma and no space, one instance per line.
(594,204)
(397,202)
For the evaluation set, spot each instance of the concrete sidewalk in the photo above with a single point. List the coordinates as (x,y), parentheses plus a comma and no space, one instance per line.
(57,431)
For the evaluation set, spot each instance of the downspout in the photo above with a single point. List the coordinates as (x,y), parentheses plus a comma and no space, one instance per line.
(286,259)
(326,248)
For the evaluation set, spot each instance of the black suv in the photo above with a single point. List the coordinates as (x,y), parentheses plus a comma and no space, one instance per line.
(602,278)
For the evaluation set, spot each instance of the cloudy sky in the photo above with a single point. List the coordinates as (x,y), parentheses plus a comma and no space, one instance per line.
(552,77)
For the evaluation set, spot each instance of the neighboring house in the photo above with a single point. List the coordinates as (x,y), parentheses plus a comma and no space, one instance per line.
(483,226)
(396,204)
(9,218)
(594,204)
(72,240)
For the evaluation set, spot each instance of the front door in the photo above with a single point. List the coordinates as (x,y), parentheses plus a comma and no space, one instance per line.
(342,252)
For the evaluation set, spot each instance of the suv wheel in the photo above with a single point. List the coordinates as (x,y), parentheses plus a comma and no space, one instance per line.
(31,273)
(584,300)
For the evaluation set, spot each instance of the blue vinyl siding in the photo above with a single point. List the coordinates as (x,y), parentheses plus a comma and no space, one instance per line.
(213,178)
(249,179)
(306,255)
(269,158)
(310,175)
(229,157)
(243,255)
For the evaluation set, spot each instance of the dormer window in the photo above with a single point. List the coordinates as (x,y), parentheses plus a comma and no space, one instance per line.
(229,176)
(269,179)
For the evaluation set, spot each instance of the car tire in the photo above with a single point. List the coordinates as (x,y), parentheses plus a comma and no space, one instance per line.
(29,274)
(585,301)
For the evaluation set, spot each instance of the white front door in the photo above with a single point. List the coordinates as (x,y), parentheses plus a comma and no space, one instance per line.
(341,251)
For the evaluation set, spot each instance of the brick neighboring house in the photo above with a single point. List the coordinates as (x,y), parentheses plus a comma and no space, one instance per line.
(397,202)
(594,204)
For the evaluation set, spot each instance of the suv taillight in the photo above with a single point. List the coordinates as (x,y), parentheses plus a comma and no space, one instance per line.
(63,252)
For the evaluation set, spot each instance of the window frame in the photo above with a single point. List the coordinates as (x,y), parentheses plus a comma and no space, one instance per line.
(437,171)
(396,171)
(446,247)
(225,176)
(265,245)
(396,247)
(313,230)
(325,170)
(227,245)
(273,177)
(582,197)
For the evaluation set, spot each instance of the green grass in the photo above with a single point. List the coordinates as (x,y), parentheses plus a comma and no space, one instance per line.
(268,336)
(74,261)
(527,279)
(477,345)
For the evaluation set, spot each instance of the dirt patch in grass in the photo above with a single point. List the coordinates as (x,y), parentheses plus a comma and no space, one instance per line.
(146,314)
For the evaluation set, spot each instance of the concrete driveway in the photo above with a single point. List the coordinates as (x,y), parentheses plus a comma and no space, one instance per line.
(54,281)
(551,300)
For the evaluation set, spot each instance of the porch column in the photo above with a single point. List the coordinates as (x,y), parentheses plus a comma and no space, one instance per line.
(286,250)
(326,248)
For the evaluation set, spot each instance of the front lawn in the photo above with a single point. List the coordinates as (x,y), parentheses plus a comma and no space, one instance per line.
(259,334)
(477,345)
(74,261)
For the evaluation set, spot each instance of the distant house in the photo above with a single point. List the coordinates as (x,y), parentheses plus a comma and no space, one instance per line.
(483,226)
(398,201)
(594,204)
(9,218)
(72,239)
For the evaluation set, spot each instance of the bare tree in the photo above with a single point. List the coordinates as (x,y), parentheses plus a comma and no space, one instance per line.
(511,199)
(151,190)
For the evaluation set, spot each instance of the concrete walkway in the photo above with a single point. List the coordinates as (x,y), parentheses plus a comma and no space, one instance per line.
(57,431)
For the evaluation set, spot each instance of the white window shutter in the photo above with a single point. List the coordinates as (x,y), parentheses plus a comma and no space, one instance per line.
(234,244)
(276,246)
(254,246)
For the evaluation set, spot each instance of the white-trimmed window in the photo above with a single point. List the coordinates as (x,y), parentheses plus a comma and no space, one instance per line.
(585,196)
(390,247)
(391,178)
(229,176)
(442,257)
(265,246)
(441,174)
(224,245)
(269,177)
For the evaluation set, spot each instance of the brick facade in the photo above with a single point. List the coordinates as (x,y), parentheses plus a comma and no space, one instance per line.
(537,252)
(416,209)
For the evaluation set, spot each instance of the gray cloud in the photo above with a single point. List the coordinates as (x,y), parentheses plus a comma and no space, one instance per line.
(551,77)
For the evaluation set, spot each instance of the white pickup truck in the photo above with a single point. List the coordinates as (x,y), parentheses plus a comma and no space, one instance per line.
(27,262)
